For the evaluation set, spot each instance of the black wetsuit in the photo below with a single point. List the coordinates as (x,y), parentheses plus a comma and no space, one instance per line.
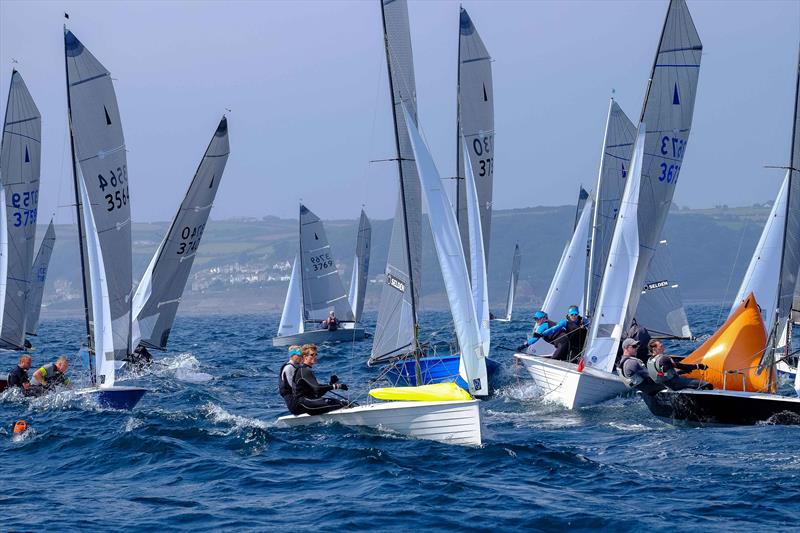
(18,377)
(632,370)
(576,334)
(141,357)
(286,386)
(332,325)
(309,393)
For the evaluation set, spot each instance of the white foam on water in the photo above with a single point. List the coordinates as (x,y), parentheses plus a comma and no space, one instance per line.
(218,415)
(132,424)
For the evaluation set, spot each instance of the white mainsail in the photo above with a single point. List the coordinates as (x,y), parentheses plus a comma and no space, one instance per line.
(512,282)
(568,285)
(668,110)
(395,330)
(20,161)
(615,162)
(480,287)
(661,306)
(618,282)
(292,316)
(102,198)
(159,293)
(358,279)
(476,124)
(38,278)
(321,284)
(453,264)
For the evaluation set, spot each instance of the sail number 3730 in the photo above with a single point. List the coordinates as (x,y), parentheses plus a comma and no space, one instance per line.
(118,182)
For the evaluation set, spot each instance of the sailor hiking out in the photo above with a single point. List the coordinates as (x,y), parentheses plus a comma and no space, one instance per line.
(551,332)
(18,377)
(50,376)
(633,371)
(286,376)
(309,394)
(576,328)
(664,370)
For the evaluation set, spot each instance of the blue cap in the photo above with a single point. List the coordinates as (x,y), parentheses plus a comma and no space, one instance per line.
(295,351)
(573,310)
(539,314)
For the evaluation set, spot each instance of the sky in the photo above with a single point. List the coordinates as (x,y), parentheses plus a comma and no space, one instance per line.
(307,90)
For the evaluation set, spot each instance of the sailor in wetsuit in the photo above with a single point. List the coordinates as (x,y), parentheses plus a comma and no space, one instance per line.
(633,371)
(286,378)
(662,369)
(140,358)
(19,376)
(550,332)
(576,329)
(309,393)
(51,375)
(331,323)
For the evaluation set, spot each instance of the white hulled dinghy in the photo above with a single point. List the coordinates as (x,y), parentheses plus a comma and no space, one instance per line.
(100,173)
(742,355)
(159,293)
(315,289)
(649,187)
(442,412)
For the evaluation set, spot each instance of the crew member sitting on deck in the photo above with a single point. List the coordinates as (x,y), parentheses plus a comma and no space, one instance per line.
(141,357)
(662,369)
(52,374)
(550,332)
(331,323)
(309,393)
(576,332)
(633,371)
(286,378)
(19,376)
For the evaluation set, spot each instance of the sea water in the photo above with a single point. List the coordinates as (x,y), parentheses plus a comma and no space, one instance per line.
(202,451)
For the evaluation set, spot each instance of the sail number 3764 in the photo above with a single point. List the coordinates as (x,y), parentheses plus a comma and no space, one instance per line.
(118,181)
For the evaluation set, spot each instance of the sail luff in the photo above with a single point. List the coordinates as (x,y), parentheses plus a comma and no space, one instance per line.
(38,278)
(480,288)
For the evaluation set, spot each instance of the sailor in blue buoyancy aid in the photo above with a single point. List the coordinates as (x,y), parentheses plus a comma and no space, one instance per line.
(286,378)
(551,332)
(632,370)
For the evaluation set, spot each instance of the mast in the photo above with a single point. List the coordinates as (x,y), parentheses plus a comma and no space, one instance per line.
(79,212)
(300,258)
(402,192)
(459,155)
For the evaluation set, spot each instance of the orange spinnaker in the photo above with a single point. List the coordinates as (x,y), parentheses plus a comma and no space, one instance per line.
(737,345)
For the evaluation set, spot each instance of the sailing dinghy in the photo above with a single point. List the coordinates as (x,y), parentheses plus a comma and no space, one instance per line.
(441,412)
(20,159)
(315,289)
(743,354)
(159,292)
(649,187)
(512,286)
(100,173)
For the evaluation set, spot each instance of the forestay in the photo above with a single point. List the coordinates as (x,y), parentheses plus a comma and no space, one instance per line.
(158,295)
(480,287)
(567,287)
(453,264)
(668,110)
(395,333)
(20,160)
(358,279)
(615,161)
(102,179)
(512,282)
(618,282)
(660,306)
(323,290)
(292,316)
(38,278)
(476,123)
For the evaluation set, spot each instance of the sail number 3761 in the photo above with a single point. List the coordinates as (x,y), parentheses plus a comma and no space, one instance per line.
(671,147)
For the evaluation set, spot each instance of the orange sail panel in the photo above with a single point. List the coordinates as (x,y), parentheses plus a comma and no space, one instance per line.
(734,351)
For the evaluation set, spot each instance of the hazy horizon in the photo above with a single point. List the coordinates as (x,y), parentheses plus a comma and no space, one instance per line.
(306,85)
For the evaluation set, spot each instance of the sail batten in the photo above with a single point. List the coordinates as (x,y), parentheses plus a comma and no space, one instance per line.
(159,292)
